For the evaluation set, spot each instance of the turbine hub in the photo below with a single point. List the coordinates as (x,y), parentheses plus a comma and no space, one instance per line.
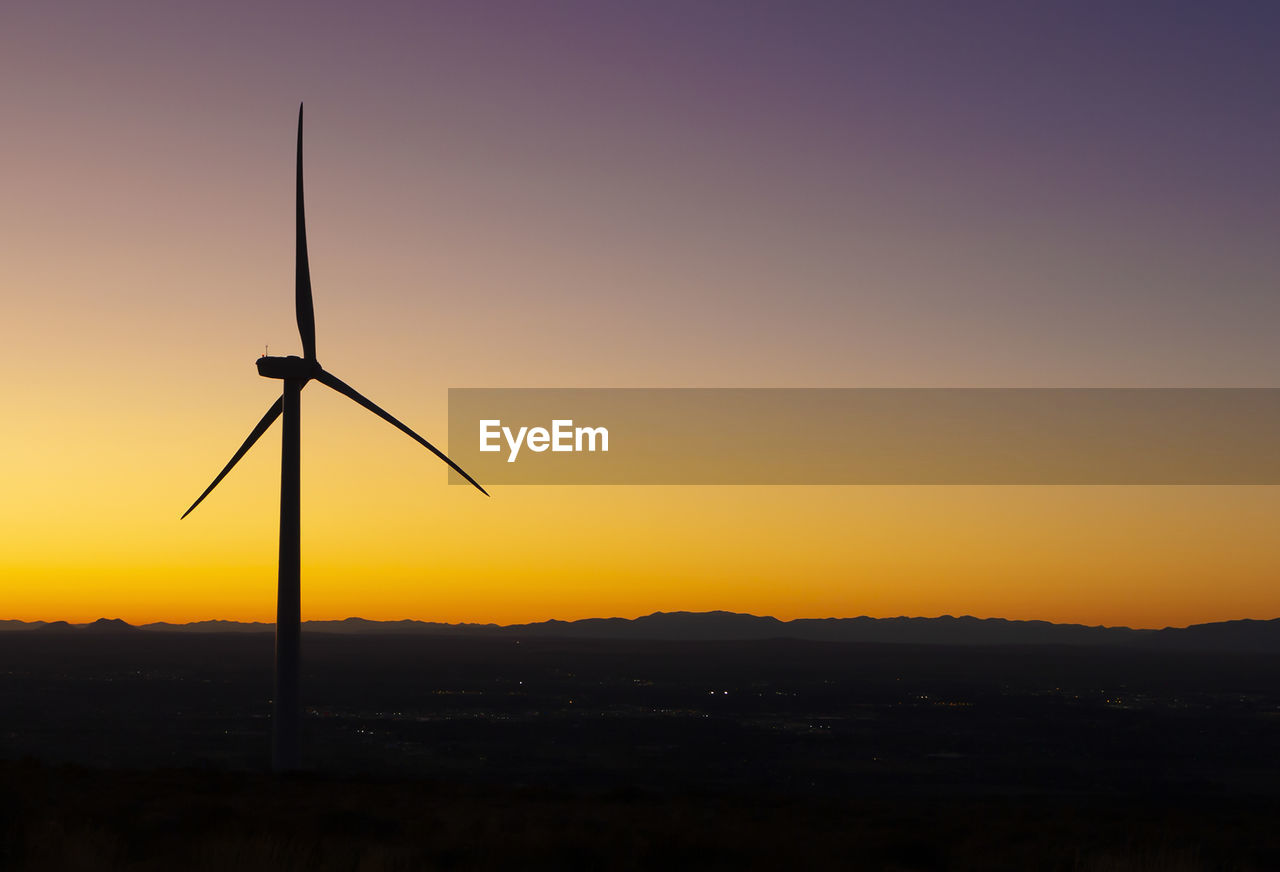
(291,367)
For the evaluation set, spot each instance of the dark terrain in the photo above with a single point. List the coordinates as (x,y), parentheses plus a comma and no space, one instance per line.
(144,750)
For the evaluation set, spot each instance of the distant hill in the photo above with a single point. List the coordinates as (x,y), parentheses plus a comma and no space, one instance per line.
(109,625)
(213,627)
(1243,635)
(729,626)
(21,625)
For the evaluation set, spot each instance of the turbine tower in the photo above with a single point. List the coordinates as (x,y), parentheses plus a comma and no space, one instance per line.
(296,372)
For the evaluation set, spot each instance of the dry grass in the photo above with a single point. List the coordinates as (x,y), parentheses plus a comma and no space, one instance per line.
(72,819)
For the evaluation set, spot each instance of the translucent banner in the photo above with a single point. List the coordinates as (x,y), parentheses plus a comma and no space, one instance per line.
(816,436)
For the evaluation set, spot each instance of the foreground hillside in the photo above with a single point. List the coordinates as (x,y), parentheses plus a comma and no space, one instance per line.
(55,818)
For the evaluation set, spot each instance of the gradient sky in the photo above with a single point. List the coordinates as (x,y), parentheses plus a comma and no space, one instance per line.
(610,194)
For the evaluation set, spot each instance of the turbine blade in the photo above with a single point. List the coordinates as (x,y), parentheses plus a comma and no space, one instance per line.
(267,420)
(302,270)
(342,387)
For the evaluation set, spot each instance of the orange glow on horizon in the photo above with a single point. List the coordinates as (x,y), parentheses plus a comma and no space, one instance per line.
(376,547)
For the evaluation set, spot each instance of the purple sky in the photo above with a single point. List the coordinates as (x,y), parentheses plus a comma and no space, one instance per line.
(876,193)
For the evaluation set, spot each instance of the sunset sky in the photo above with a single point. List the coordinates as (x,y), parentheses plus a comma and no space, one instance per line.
(621,194)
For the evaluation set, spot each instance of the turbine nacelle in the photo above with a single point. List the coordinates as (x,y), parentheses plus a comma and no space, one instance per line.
(291,367)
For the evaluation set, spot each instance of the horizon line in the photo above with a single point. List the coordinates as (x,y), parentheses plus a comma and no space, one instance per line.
(494,624)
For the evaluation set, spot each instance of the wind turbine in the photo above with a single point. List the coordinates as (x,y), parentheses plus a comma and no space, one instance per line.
(296,372)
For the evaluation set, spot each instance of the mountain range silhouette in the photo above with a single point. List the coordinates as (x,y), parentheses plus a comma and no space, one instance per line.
(1239,635)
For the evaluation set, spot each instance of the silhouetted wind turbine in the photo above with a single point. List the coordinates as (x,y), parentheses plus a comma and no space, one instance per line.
(296,372)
